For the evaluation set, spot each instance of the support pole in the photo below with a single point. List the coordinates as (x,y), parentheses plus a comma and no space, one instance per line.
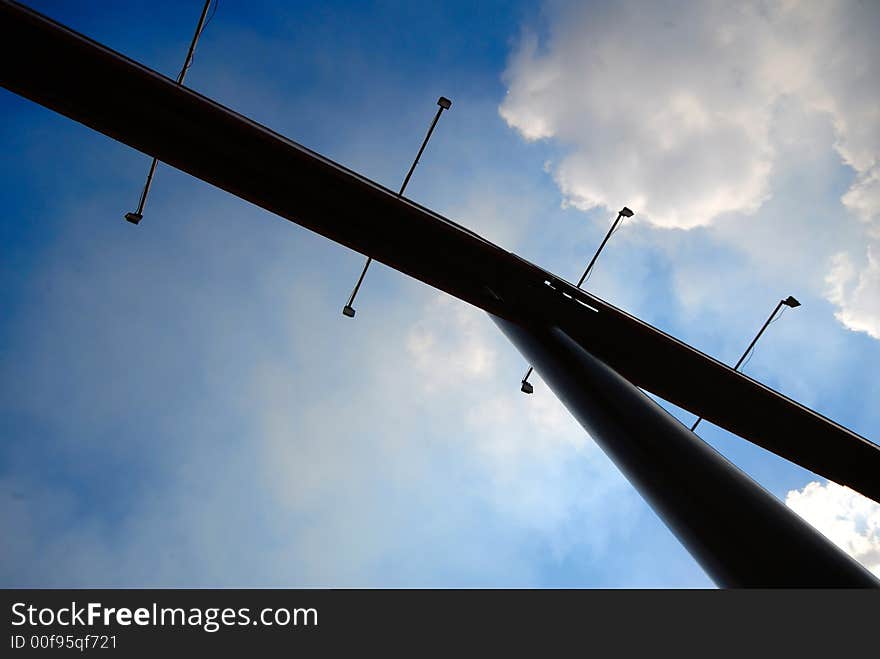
(526,386)
(624,212)
(738,532)
(789,302)
(138,215)
(444,104)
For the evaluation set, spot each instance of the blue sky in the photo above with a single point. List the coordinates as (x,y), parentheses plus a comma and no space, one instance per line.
(183,404)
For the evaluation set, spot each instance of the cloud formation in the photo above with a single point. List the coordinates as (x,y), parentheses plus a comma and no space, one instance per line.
(226,426)
(856,292)
(849,520)
(675,108)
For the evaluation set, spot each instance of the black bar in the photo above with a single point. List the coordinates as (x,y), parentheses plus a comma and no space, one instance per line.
(610,623)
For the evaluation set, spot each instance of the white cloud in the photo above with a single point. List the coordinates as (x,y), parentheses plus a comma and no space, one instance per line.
(448,345)
(627,87)
(849,520)
(283,444)
(856,292)
(675,109)
(863,199)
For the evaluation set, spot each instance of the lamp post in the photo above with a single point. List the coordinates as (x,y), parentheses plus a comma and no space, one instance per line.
(136,216)
(623,212)
(790,302)
(526,386)
(444,103)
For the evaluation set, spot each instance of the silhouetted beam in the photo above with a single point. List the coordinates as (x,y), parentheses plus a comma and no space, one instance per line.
(62,70)
(742,535)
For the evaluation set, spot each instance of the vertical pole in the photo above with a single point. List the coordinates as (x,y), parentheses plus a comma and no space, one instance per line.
(758,335)
(192,46)
(138,215)
(599,251)
(445,104)
(747,350)
(740,534)
(526,386)
(143,200)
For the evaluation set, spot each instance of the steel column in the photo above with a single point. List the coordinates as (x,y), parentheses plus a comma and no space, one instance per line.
(740,534)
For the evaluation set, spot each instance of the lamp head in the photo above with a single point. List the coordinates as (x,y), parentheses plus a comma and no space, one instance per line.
(626,212)
(444,102)
(790,301)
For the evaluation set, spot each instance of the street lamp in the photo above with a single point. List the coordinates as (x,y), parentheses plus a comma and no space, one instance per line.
(444,103)
(790,302)
(136,216)
(526,386)
(623,212)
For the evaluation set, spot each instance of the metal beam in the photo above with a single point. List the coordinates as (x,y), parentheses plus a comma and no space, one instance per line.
(739,533)
(62,70)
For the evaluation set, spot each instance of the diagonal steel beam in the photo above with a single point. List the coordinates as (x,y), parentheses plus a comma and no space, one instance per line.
(89,83)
